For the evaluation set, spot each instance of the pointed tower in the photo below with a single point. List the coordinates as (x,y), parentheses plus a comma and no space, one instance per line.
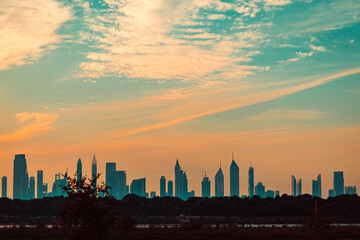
(79,170)
(234,178)
(219,183)
(251,181)
(178,180)
(94,169)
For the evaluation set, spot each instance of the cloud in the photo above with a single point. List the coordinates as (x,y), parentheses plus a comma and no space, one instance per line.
(28,28)
(36,124)
(290,60)
(305,54)
(289,114)
(317,48)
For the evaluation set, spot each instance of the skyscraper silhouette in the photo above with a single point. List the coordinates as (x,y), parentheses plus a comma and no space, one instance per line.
(205,187)
(21,177)
(350,190)
(79,170)
(299,187)
(181,182)
(31,194)
(234,178)
(251,181)
(219,183)
(260,190)
(316,187)
(170,188)
(339,183)
(110,176)
(41,187)
(162,186)
(178,180)
(94,169)
(293,186)
(58,184)
(4,187)
(138,187)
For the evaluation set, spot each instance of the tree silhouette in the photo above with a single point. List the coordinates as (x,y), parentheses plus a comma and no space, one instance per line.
(85,215)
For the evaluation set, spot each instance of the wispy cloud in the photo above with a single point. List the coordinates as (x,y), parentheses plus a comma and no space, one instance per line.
(35,124)
(289,114)
(28,28)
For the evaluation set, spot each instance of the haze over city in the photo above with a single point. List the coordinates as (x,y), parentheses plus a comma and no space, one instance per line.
(146,82)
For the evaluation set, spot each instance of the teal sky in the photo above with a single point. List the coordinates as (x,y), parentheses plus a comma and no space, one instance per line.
(121,77)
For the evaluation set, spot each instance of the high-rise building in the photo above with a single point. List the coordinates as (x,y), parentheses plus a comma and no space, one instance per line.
(234,178)
(170,189)
(31,193)
(293,186)
(21,178)
(41,187)
(299,187)
(260,190)
(181,182)
(79,170)
(162,186)
(205,187)
(178,180)
(120,184)
(59,183)
(350,190)
(4,187)
(219,183)
(277,193)
(316,187)
(138,187)
(251,181)
(110,178)
(152,194)
(339,183)
(270,194)
(94,170)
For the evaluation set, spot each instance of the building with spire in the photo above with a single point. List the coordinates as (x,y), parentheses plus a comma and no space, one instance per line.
(181,183)
(234,178)
(251,180)
(219,183)
(94,169)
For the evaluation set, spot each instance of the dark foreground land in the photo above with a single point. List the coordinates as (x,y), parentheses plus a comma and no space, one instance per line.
(190,234)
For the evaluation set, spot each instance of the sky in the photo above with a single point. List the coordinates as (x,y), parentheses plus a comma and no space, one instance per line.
(142,83)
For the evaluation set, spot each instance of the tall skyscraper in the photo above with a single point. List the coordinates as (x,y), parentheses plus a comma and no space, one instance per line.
(339,183)
(219,183)
(251,181)
(110,176)
(234,178)
(178,180)
(170,189)
(181,182)
(293,186)
(41,187)
(299,187)
(260,190)
(316,187)
(162,186)
(205,187)
(138,187)
(79,170)
(94,169)
(31,193)
(116,180)
(21,177)
(4,187)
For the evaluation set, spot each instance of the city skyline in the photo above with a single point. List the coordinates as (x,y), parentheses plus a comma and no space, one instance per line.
(146,82)
(24,186)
